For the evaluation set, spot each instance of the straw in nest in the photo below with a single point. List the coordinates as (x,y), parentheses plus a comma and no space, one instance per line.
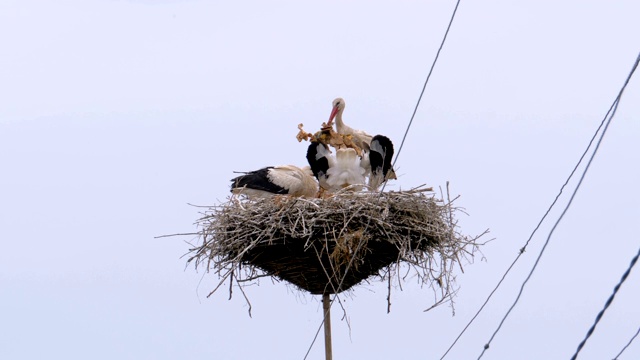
(326,246)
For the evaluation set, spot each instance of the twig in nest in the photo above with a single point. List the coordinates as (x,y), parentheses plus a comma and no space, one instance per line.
(332,244)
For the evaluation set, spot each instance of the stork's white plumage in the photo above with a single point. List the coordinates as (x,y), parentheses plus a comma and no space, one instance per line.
(336,172)
(377,150)
(360,138)
(346,171)
(276,180)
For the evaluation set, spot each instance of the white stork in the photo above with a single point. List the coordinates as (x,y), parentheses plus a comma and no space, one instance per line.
(336,172)
(380,161)
(377,150)
(276,180)
(361,138)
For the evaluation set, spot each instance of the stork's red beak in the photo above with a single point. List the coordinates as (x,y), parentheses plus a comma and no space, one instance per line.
(332,116)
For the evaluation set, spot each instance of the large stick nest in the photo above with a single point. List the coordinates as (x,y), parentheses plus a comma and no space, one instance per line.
(329,245)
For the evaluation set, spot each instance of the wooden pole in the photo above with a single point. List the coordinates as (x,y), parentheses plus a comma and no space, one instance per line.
(326,307)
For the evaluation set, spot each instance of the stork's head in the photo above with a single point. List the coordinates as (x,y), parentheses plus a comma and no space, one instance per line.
(338,107)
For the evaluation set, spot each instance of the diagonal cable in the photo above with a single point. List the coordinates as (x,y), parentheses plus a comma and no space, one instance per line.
(444,38)
(606,305)
(613,110)
(628,344)
(523,249)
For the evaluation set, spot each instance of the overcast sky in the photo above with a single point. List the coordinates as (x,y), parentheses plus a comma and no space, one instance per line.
(115,115)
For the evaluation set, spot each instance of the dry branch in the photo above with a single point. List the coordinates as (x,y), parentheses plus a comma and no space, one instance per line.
(327,246)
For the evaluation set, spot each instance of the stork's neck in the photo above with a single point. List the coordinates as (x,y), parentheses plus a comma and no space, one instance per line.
(339,123)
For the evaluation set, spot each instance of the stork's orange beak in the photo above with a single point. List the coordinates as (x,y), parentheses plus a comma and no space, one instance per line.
(332,116)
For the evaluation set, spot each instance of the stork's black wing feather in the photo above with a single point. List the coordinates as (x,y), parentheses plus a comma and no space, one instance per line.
(258,180)
(381,154)
(319,166)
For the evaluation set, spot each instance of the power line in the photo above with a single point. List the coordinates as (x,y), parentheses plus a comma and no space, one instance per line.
(606,305)
(612,110)
(444,38)
(628,344)
(523,249)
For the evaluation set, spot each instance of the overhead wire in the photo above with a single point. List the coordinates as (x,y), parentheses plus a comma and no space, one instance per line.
(628,344)
(415,110)
(535,230)
(424,86)
(607,118)
(606,305)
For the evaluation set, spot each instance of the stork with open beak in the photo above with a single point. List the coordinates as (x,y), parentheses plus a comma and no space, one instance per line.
(276,180)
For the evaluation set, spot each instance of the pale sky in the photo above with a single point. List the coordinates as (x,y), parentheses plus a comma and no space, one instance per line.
(117,114)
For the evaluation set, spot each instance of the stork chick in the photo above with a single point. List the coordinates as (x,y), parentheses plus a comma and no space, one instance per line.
(336,172)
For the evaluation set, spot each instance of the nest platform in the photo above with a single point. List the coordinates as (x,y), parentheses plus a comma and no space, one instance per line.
(329,245)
